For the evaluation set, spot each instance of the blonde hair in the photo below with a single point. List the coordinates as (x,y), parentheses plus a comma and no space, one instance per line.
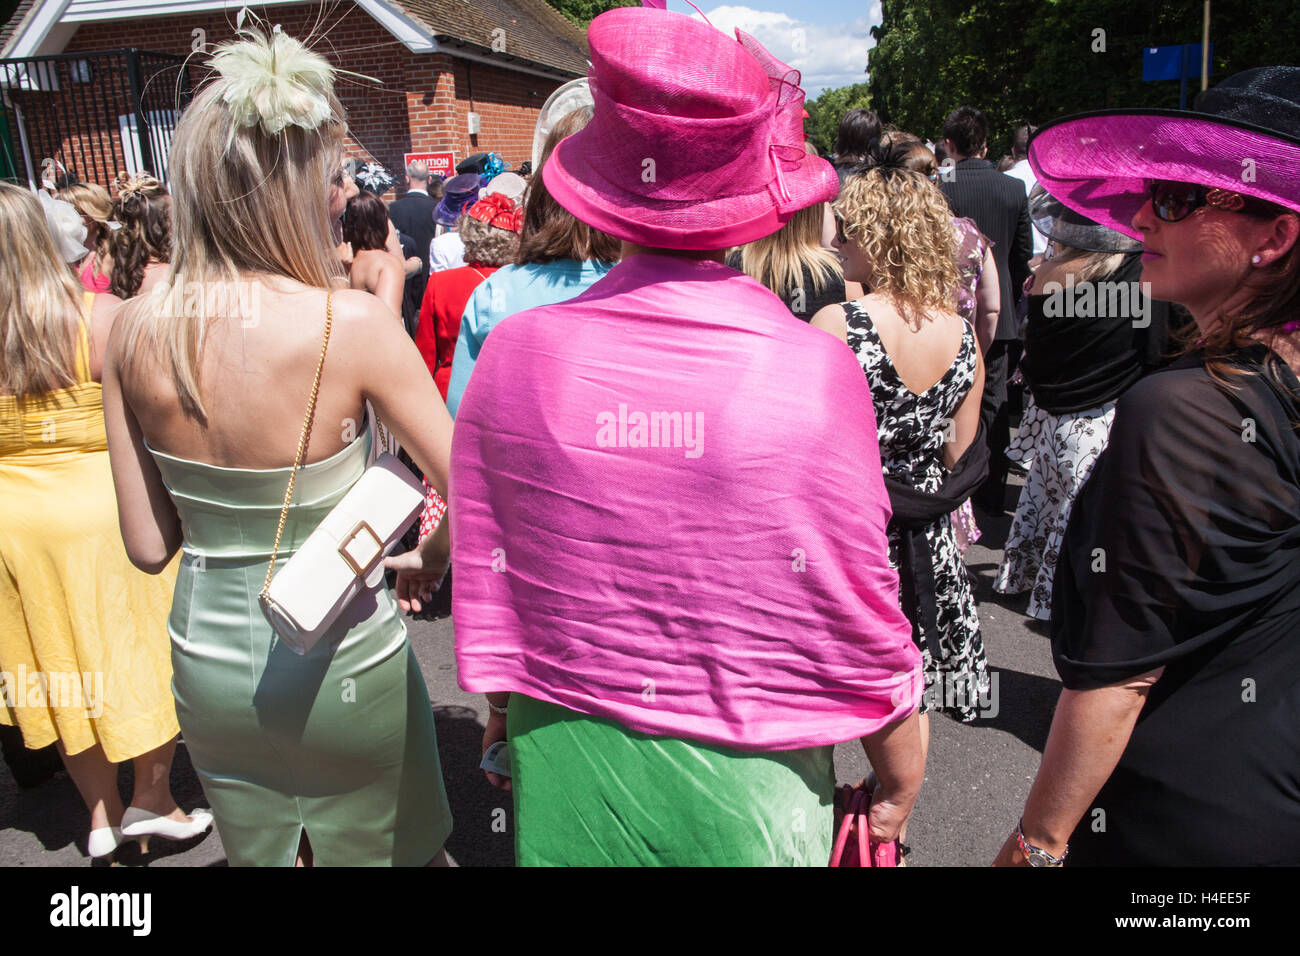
(248,194)
(90,199)
(903,226)
(1084,265)
(93,202)
(778,261)
(40,299)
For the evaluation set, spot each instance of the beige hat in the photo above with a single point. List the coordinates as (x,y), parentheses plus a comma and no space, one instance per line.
(510,185)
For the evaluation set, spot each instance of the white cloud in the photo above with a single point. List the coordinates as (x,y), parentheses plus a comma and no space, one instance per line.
(827,55)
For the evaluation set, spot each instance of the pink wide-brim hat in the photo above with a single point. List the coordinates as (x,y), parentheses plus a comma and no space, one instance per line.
(696,141)
(1100,163)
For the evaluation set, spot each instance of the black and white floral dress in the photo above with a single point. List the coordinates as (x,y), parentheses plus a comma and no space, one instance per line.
(912,430)
(1059,452)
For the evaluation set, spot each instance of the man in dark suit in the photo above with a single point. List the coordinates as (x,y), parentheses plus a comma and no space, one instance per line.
(413,216)
(998,204)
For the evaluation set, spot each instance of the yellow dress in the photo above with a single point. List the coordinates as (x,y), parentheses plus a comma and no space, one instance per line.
(84,652)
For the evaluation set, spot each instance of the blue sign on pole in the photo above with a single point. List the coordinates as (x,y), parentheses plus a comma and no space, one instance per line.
(1177,62)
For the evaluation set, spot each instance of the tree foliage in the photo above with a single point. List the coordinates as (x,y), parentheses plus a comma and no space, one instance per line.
(1031,60)
(825,112)
(582,12)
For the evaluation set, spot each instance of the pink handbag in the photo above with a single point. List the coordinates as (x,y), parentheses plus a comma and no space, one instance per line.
(853,846)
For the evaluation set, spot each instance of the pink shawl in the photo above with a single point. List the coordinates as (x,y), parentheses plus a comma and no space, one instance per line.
(667,509)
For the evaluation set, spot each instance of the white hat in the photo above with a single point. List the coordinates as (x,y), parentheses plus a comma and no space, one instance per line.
(66,227)
(510,185)
(573,95)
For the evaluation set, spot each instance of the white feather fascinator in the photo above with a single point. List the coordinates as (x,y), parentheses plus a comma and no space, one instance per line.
(273,81)
(66,227)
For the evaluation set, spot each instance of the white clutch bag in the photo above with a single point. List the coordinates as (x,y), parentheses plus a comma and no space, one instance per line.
(345,554)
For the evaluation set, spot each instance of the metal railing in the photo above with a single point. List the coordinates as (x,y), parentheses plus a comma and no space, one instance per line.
(91,115)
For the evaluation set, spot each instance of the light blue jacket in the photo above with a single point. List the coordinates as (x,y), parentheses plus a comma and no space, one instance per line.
(509,290)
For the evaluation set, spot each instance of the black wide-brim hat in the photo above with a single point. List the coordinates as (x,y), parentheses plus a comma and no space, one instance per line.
(1062,225)
(1243,135)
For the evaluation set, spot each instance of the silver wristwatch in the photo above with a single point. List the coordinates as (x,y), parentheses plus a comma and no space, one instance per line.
(1036,855)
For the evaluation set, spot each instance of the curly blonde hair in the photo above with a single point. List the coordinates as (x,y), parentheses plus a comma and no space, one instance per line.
(903,225)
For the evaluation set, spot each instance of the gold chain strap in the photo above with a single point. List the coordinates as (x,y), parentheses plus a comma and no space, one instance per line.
(302,442)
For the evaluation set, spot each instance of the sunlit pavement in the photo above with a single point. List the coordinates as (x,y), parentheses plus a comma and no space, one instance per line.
(975,786)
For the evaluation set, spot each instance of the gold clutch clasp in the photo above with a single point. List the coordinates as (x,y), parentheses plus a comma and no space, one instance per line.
(361,548)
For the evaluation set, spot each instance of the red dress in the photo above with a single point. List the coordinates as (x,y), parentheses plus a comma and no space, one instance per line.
(445,298)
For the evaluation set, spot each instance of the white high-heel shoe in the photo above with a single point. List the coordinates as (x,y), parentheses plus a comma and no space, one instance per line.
(140,825)
(103,841)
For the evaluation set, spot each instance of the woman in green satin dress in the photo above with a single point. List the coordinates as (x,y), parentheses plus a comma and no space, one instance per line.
(331,757)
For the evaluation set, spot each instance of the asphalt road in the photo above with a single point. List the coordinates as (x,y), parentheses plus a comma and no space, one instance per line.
(976,781)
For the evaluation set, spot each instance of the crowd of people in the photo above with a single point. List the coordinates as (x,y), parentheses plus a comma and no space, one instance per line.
(704,423)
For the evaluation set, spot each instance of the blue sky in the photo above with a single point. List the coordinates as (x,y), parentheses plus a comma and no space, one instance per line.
(827,41)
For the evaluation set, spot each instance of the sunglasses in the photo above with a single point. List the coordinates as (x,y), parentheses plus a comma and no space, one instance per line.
(839,230)
(1174,202)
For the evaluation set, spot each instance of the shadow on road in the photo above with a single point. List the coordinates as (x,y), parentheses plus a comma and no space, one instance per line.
(483,817)
(54,814)
(1024,706)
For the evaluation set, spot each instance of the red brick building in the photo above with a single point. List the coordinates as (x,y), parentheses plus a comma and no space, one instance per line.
(443,65)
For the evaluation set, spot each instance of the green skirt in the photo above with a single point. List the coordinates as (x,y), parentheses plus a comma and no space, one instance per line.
(590,792)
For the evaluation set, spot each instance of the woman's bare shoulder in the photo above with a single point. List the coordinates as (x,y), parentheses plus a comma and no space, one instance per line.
(356,313)
(385,261)
(373,264)
(353,304)
(377,258)
(104,308)
(887,311)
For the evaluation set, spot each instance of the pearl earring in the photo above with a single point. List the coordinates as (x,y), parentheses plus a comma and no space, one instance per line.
(1255,259)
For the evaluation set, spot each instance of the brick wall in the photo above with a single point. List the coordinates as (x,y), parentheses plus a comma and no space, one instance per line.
(421,106)
(507,104)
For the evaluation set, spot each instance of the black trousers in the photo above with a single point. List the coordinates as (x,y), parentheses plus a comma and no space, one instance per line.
(995,412)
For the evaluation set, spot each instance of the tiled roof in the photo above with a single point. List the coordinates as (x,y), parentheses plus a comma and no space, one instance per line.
(9,26)
(533,29)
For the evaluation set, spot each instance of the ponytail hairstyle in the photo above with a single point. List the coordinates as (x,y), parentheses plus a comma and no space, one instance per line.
(143,208)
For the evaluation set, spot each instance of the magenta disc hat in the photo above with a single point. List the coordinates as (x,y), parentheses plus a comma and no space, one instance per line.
(696,141)
(1243,136)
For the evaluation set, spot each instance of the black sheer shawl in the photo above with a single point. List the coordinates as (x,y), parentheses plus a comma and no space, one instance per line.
(1187,534)
(1183,552)
(1077,362)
